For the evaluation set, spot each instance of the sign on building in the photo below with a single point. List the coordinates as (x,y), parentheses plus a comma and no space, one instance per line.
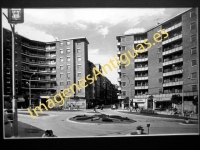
(16,15)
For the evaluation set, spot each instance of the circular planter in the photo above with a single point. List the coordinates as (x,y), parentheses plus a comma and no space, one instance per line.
(139,131)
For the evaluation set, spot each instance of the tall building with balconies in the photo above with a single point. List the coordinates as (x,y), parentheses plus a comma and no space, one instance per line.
(45,68)
(169,67)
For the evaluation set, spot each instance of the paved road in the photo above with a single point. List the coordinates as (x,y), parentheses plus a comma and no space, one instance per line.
(58,122)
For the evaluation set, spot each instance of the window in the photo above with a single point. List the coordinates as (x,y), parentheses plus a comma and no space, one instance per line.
(16,81)
(16,72)
(123,74)
(123,48)
(79,58)
(15,63)
(78,43)
(192,25)
(123,83)
(159,69)
(79,91)
(159,49)
(192,38)
(68,50)
(194,62)
(160,80)
(68,82)
(193,50)
(61,43)
(61,68)
(68,66)
(61,51)
(68,75)
(68,42)
(193,75)
(61,75)
(79,66)
(68,58)
(78,50)
(160,60)
(61,59)
(194,87)
(192,13)
(79,74)
(16,90)
(122,39)
(123,66)
(160,90)
(124,93)
(61,83)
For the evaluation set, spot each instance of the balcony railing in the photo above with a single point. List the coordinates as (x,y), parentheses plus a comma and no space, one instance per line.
(118,44)
(138,41)
(173,27)
(118,70)
(141,59)
(119,88)
(170,51)
(31,46)
(141,87)
(141,68)
(119,53)
(172,61)
(172,39)
(141,77)
(119,79)
(173,83)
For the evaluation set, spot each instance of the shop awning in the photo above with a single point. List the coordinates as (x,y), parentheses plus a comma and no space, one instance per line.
(139,100)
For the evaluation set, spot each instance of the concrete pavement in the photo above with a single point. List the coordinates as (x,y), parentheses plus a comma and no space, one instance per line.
(58,122)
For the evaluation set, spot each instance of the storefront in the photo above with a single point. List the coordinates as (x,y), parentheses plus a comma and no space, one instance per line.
(162,103)
(140,102)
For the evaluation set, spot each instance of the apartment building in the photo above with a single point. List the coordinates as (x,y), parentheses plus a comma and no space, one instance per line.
(169,67)
(45,68)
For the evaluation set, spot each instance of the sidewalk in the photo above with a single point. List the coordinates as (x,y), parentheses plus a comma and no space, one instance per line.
(163,114)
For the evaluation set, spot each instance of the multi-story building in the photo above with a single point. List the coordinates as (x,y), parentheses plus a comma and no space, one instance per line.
(169,67)
(45,68)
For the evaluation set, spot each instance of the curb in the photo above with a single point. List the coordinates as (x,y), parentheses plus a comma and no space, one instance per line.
(186,124)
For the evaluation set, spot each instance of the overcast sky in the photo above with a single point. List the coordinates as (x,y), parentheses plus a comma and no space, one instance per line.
(99,25)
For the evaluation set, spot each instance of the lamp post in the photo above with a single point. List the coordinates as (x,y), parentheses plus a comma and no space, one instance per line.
(30,89)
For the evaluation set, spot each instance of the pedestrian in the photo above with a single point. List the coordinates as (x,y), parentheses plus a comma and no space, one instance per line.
(47,133)
(51,133)
(102,106)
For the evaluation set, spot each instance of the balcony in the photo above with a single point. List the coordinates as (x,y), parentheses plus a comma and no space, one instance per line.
(51,48)
(173,83)
(172,72)
(141,59)
(142,68)
(173,61)
(118,44)
(32,47)
(173,27)
(178,48)
(141,78)
(119,79)
(139,51)
(137,87)
(119,53)
(52,63)
(172,39)
(51,56)
(119,70)
(119,88)
(138,41)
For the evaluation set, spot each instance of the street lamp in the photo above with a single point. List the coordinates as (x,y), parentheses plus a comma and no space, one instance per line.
(30,89)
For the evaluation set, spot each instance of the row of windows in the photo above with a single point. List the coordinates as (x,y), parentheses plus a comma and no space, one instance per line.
(68,50)
(68,58)
(193,87)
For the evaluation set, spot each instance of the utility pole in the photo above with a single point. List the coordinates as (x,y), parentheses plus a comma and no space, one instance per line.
(14,16)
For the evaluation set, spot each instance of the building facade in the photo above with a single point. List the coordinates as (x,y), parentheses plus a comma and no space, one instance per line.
(45,68)
(169,67)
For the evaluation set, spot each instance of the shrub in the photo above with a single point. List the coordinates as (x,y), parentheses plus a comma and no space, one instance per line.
(139,128)
(84,118)
(148,111)
(106,119)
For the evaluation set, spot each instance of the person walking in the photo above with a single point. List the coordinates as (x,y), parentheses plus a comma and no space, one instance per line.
(102,106)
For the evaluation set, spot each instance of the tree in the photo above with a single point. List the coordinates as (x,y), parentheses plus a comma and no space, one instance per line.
(176,99)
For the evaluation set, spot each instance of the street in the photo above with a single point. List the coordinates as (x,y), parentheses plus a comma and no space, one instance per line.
(63,128)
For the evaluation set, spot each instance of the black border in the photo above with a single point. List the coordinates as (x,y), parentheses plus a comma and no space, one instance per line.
(149,142)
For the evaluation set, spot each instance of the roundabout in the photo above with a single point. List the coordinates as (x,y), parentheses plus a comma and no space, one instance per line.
(101,119)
